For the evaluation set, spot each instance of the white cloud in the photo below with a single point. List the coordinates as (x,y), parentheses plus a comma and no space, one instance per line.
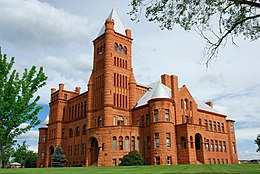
(31,23)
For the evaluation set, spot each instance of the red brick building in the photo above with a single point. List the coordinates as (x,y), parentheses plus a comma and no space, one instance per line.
(116,115)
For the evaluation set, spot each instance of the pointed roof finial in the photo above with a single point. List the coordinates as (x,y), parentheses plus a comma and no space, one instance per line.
(118,25)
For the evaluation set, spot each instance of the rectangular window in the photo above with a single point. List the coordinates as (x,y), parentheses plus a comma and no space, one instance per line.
(169,160)
(216,145)
(206,124)
(220,146)
(155,115)
(224,147)
(114,162)
(43,138)
(157,159)
(62,133)
(187,119)
(42,154)
(157,140)
(142,120)
(148,143)
(222,128)
(212,145)
(138,121)
(210,125)
(168,140)
(233,147)
(214,126)
(218,126)
(166,113)
(147,119)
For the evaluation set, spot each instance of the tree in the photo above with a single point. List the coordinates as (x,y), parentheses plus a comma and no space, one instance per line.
(58,159)
(214,20)
(133,158)
(17,102)
(257,142)
(7,153)
(24,156)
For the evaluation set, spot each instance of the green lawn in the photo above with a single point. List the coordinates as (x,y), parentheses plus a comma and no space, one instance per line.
(204,169)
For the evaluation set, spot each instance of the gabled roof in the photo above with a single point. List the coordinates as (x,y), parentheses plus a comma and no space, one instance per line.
(46,122)
(205,107)
(159,90)
(156,90)
(118,25)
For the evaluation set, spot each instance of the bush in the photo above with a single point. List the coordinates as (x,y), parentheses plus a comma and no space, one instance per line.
(133,158)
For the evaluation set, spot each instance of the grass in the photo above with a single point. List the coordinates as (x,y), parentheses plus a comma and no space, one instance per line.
(185,169)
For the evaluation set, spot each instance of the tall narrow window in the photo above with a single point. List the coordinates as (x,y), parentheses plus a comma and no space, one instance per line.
(62,133)
(157,140)
(168,140)
(183,143)
(77,131)
(147,119)
(169,160)
(42,154)
(114,143)
(166,113)
(138,143)
(148,142)
(155,115)
(224,147)
(222,128)
(99,121)
(206,124)
(120,143)
(216,145)
(220,146)
(212,145)
(138,121)
(114,120)
(142,120)
(233,147)
(157,160)
(231,129)
(127,143)
(218,126)
(43,138)
(70,133)
(84,129)
(210,125)
(214,126)
(133,143)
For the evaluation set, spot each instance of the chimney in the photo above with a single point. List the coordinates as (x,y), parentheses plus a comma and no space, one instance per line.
(210,103)
(53,90)
(77,90)
(128,33)
(61,86)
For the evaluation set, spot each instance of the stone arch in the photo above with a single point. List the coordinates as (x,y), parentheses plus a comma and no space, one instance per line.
(199,148)
(94,151)
(51,151)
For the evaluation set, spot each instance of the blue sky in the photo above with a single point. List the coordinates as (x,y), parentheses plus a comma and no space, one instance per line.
(58,35)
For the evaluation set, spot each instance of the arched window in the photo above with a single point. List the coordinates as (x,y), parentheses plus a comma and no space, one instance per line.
(186,104)
(125,50)
(120,121)
(84,129)
(191,142)
(70,133)
(99,121)
(77,131)
(126,142)
(116,47)
(183,143)
(120,49)
(114,143)
(120,143)
(133,143)
(138,143)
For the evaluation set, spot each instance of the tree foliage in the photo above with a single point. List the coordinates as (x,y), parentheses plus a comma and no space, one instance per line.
(133,158)
(17,101)
(24,156)
(257,142)
(58,158)
(7,153)
(214,20)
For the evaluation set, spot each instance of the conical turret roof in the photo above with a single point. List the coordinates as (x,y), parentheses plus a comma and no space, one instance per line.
(46,122)
(118,25)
